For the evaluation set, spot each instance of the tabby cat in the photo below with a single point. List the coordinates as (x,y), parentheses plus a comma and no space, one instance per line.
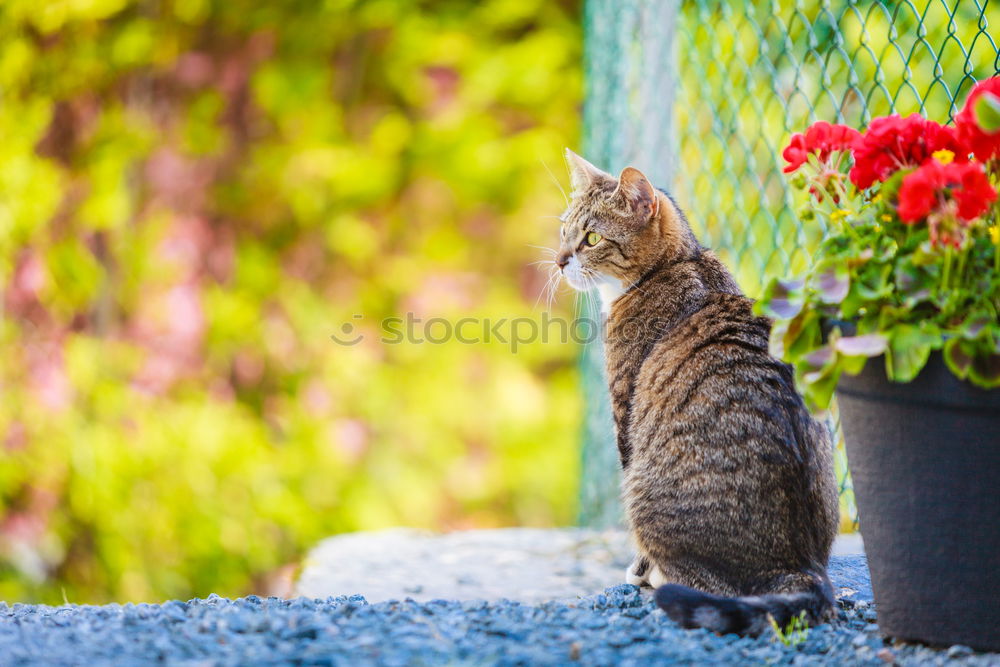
(728,482)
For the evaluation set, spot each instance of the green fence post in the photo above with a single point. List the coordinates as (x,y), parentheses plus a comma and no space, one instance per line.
(628,113)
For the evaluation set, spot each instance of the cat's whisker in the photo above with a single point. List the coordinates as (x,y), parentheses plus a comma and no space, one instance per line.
(579,302)
(588,304)
(587,295)
(556,181)
(553,275)
(550,251)
(555,288)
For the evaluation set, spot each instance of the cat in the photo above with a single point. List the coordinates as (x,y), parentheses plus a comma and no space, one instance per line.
(728,483)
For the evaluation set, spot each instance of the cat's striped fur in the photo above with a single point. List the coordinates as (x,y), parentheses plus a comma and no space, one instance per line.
(728,481)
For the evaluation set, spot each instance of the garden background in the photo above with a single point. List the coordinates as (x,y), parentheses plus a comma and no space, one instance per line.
(196,194)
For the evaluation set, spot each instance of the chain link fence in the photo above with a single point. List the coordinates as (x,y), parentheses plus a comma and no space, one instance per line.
(703,95)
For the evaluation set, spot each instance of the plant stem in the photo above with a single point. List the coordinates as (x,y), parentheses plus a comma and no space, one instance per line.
(996,257)
(946,274)
(960,273)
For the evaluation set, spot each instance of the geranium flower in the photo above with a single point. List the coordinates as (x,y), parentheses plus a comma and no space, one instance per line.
(984,145)
(821,139)
(892,143)
(949,196)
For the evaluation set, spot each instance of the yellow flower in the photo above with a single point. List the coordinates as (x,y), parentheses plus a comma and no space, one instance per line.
(944,156)
(995,234)
(885,217)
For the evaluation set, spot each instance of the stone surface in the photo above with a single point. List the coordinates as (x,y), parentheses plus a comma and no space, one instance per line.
(620,626)
(525,564)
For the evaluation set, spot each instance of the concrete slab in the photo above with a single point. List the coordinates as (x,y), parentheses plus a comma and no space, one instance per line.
(525,564)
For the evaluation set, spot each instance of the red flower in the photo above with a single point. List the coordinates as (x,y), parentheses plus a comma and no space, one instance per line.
(983,144)
(892,143)
(821,138)
(945,194)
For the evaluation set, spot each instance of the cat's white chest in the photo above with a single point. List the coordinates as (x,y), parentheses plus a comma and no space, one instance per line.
(609,289)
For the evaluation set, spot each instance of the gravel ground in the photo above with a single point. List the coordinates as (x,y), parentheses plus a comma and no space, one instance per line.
(618,627)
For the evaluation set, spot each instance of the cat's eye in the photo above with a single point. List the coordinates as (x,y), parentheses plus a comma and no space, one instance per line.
(593,238)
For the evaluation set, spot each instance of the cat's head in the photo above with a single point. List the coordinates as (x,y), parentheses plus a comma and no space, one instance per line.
(616,228)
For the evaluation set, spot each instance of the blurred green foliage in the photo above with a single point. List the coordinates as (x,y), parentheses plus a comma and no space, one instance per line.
(194,195)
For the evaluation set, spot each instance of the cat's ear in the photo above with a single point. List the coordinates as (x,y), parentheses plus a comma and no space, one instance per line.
(582,174)
(636,194)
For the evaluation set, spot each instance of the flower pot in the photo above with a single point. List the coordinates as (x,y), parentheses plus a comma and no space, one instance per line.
(925,461)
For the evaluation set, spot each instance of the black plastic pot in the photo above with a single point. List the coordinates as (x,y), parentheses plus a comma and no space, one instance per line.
(925,461)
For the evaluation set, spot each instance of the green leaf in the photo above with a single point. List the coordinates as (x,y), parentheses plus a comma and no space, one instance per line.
(975,325)
(958,357)
(854,351)
(782,299)
(831,281)
(873,284)
(869,345)
(818,362)
(890,188)
(910,346)
(792,339)
(987,113)
(853,365)
(985,369)
(926,255)
(805,335)
(914,282)
(817,375)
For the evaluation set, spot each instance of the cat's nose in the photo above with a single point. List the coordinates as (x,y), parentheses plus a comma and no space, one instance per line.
(563,259)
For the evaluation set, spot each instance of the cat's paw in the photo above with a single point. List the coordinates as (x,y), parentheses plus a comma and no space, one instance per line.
(655,577)
(637,572)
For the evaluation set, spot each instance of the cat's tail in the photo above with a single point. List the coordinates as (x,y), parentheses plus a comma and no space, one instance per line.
(750,615)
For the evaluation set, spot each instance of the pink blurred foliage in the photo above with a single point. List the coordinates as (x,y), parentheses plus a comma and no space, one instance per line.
(248,368)
(444,84)
(317,399)
(29,520)
(280,340)
(442,293)
(16,437)
(29,279)
(186,243)
(178,182)
(305,260)
(23,530)
(350,438)
(194,69)
(170,326)
(47,374)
